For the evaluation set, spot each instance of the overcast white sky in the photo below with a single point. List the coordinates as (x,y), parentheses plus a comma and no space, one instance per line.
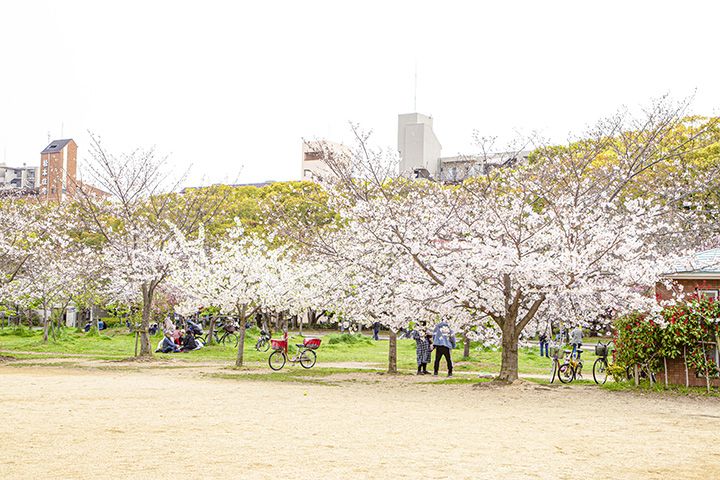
(232,87)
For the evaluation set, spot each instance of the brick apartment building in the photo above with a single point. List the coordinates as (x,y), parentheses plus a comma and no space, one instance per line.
(58,170)
(700,277)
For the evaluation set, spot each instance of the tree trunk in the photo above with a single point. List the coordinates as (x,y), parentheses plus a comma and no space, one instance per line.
(93,319)
(636,375)
(300,322)
(241,341)
(46,324)
(509,365)
(466,347)
(145,347)
(392,352)
(210,340)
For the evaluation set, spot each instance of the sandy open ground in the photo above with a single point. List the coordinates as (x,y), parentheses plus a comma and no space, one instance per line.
(151,423)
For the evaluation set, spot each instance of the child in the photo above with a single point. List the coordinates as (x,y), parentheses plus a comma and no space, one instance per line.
(423,347)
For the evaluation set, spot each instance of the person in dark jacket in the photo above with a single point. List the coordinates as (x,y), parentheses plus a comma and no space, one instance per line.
(376,331)
(189,342)
(444,341)
(544,344)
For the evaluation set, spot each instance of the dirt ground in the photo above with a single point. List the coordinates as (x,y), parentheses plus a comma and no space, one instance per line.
(155,423)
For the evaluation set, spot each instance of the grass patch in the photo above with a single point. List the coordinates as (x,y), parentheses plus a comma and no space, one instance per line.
(348,339)
(118,343)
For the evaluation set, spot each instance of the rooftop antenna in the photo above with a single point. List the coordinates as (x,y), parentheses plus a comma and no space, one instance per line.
(48,136)
(415,95)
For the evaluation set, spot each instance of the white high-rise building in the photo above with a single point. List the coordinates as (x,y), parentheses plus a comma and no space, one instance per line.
(418,146)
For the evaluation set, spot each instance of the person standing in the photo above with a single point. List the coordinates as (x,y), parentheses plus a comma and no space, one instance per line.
(423,347)
(576,336)
(376,331)
(544,344)
(444,341)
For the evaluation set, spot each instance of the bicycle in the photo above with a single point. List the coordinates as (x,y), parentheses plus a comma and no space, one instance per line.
(263,343)
(555,350)
(601,365)
(572,368)
(644,372)
(228,336)
(306,355)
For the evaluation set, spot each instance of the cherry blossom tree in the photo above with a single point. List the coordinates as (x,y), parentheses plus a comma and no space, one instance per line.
(554,238)
(135,223)
(238,275)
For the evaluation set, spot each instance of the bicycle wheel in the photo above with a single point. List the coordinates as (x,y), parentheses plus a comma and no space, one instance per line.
(277,360)
(554,371)
(600,372)
(200,338)
(307,358)
(566,373)
(230,340)
(262,345)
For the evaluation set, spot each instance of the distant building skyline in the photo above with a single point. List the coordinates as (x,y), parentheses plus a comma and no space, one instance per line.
(53,179)
(420,155)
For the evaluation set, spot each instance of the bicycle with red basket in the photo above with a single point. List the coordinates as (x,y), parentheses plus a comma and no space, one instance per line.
(306,355)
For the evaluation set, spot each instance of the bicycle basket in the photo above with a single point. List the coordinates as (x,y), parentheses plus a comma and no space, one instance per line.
(601,350)
(312,343)
(278,344)
(554,350)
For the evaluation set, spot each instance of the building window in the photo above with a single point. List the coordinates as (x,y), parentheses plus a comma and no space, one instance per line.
(313,155)
(708,294)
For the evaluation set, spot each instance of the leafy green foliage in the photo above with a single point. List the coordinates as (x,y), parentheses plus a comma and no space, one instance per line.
(687,328)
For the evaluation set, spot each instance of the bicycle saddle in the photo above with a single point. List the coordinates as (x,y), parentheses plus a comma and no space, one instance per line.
(300,345)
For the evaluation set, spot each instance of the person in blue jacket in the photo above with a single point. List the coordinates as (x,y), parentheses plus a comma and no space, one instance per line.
(444,341)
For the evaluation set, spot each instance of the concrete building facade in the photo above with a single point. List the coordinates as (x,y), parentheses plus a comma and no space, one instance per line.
(314,168)
(18,177)
(418,146)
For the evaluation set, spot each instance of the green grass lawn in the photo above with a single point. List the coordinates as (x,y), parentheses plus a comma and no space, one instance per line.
(336,348)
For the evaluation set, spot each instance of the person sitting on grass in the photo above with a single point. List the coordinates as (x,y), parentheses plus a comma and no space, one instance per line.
(177,337)
(167,345)
(190,343)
